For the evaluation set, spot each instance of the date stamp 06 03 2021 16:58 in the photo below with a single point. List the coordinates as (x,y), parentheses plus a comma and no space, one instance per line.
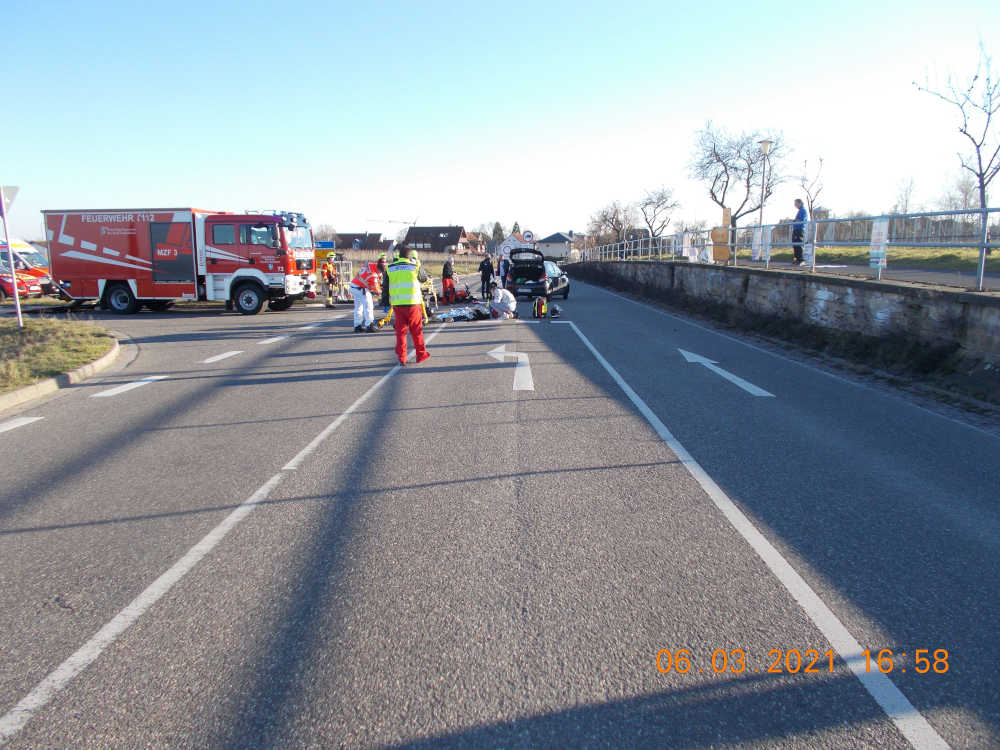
(794,661)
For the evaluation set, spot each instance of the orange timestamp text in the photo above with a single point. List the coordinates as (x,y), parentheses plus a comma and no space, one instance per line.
(795,661)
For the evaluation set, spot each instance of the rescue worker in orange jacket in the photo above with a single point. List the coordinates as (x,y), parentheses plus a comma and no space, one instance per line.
(448,282)
(330,280)
(367,282)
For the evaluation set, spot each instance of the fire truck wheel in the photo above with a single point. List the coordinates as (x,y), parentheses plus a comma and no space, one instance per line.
(120,299)
(249,298)
(279,305)
(3,294)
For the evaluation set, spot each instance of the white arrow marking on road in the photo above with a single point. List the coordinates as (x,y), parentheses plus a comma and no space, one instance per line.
(522,371)
(220,357)
(129,386)
(712,365)
(17,422)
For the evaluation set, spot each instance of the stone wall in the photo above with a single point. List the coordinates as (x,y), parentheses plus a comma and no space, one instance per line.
(875,308)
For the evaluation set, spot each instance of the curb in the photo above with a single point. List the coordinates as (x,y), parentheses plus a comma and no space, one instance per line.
(50,385)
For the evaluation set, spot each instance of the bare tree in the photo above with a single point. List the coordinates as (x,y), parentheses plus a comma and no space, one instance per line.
(904,197)
(811,184)
(963,194)
(656,208)
(733,168)
(977,103)
(612,223)
(325,233)
(692,226)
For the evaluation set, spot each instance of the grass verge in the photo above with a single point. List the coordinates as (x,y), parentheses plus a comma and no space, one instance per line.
(45,348)
(8,303)
(921,258)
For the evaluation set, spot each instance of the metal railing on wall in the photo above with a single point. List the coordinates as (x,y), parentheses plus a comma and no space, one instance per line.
(872,240)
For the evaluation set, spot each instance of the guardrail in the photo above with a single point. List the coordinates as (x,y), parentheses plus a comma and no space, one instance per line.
(890,237)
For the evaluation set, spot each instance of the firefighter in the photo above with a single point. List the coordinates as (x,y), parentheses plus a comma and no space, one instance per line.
(366,283)
(448,282)
(330,281)
(384,299)
(407,306)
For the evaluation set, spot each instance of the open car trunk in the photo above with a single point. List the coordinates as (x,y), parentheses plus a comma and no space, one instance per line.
(526,266)
(522,273)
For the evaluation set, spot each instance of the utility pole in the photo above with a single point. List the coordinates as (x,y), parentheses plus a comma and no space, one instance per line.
(4,205)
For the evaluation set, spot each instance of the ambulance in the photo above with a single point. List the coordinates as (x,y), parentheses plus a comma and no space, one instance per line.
(129,258)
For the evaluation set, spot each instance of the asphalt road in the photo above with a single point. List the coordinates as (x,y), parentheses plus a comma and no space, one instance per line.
(301,545)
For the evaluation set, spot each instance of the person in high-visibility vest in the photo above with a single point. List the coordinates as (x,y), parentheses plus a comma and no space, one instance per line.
(407,306)
(329,272)
(367,282)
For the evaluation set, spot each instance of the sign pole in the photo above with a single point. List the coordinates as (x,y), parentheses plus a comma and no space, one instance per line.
(10,254)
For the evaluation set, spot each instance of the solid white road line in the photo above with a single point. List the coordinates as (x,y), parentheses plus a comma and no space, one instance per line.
(272,340)
(14,720)
(12,424)
(795,362)
(907,719)
(220,357)
(129,386)
(712,365)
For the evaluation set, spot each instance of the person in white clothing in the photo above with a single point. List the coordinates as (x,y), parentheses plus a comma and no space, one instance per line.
(502,302)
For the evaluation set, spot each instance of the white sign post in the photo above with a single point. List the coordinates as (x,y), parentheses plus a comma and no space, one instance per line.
(687,248)
(755,244)
(7,194)
(879,245)
(765,246)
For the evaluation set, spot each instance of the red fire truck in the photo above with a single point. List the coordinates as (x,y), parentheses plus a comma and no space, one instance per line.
(127,258)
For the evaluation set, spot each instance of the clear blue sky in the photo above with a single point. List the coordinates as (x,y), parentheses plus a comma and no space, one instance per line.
(540,112)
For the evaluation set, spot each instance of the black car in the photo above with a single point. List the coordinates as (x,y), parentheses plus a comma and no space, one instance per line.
(530,275)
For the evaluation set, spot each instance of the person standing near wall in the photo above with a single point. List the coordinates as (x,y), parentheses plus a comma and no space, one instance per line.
(799,231)
(407,306)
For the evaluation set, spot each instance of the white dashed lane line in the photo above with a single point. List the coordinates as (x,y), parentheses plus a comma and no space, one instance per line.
(272,340)
(12,424)
(14,720)
(129,386)
(220,357)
